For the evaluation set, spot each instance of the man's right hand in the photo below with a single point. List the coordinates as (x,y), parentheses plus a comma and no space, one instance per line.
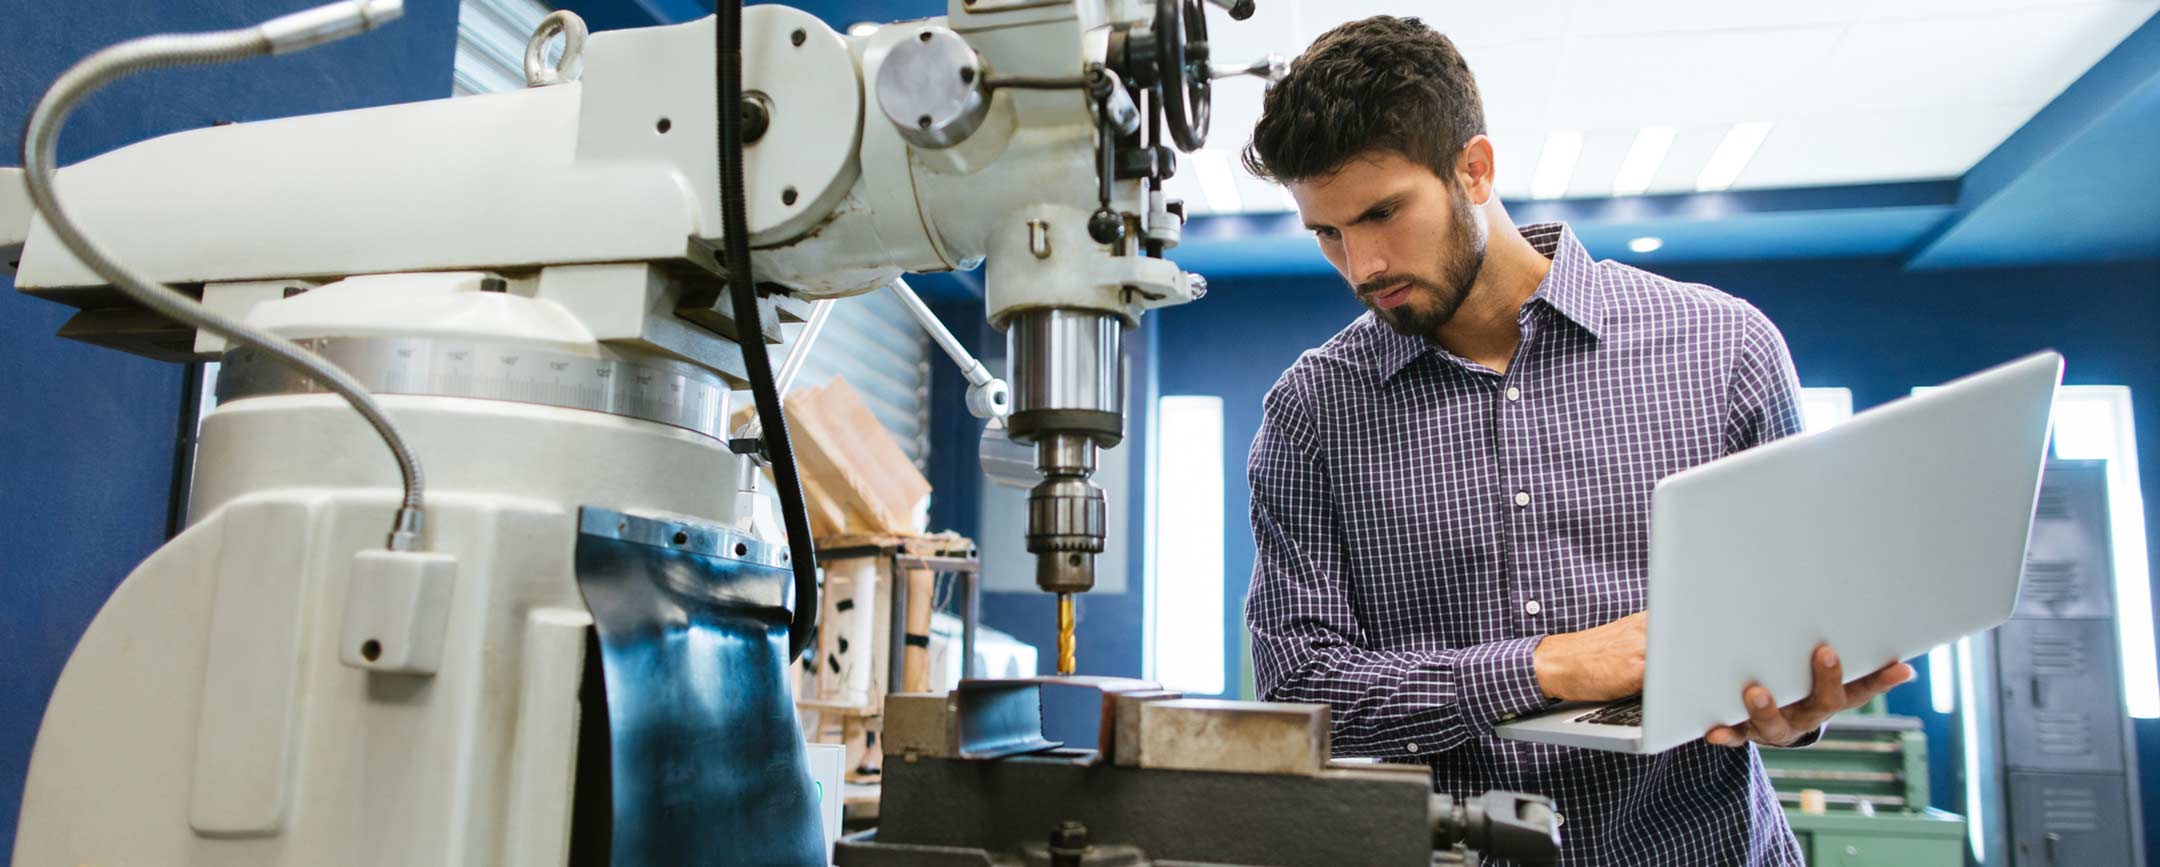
(1598,664)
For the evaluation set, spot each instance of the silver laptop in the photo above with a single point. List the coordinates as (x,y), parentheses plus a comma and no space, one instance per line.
(1885,536)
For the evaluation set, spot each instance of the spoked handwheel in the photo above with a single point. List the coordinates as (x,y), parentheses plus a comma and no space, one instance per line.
(1181,57)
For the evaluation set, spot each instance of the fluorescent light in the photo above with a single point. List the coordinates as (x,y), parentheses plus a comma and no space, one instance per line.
(1216,183)
(1942,680)
(1555,165)
(1642,162)
(1188,545)
(1975,798)
(1731,156)
(1647,244)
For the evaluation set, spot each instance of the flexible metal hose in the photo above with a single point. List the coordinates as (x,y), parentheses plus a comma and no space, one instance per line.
(749,332)
(155,52)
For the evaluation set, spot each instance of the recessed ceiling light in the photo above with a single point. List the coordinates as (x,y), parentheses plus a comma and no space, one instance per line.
(1555,165)
(1643,159)
(1731,156)
(862,28)
(1646,244)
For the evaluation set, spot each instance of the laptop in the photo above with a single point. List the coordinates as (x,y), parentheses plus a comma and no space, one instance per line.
(1897,531)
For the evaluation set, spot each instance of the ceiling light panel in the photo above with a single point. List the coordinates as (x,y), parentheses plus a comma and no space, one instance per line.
(1732,156)
(1555,165)
(1645,154)
(1602,153)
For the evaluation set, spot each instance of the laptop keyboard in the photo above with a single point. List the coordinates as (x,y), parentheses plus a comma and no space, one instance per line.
(1620,713)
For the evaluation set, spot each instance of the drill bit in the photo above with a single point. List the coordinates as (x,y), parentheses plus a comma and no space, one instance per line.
(1065,634)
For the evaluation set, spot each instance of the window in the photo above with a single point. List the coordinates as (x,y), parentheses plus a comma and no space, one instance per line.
(2092,422)
(1823,407)
(1185,587)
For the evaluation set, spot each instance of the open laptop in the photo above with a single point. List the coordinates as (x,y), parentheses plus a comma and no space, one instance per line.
(1885,536)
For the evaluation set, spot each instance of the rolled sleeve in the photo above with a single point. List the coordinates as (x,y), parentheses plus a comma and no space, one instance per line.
(1499,681)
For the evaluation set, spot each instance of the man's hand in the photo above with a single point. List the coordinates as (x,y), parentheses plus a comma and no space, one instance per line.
(1784,726)
(1598,664)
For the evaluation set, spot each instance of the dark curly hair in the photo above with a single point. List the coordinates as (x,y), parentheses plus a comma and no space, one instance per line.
(1383,83)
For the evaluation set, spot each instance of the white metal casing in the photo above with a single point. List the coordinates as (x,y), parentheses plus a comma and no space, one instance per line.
(206,716)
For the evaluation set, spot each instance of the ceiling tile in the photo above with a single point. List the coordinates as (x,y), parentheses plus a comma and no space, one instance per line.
(1611,17)
(1927,8)
(1881,146)
(1627,81)
(1467,23)
(1516,81)
(2013,56)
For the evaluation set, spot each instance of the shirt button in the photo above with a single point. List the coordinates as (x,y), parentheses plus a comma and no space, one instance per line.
(1532,607)
(1514,393)
(1412,747)
(1522,498)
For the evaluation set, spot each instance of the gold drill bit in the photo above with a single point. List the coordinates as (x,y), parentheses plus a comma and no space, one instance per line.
(1065,634)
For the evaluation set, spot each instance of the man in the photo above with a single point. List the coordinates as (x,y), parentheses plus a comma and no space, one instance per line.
(1451,497)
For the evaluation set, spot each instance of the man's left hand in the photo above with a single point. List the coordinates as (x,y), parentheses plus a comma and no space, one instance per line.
(1784,726)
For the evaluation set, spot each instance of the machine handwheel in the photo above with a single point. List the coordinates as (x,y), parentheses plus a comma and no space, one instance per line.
(1182,69)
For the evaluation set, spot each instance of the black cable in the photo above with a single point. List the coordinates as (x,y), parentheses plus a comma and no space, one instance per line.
(749,329)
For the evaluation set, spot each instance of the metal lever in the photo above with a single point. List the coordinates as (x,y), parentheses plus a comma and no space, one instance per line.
(1272,68)
(1521,828)
(1239,9)
(988,396)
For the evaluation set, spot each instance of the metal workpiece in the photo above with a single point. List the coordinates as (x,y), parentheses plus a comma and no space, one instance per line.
(672,393)
(932,88)
(1068,374)
(1233,736)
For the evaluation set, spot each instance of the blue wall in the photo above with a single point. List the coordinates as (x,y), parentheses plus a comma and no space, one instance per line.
(1867,325)
(87,434)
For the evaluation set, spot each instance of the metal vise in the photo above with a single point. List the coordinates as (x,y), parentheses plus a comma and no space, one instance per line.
(971,780)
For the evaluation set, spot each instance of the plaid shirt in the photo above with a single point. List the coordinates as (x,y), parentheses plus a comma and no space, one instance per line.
(1422,520)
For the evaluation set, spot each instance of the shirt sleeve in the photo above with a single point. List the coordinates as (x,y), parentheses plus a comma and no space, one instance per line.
(1307,643)
(1765,406)
(1765,394)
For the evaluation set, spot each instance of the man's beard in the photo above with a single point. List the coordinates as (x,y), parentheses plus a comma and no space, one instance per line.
(1462,258)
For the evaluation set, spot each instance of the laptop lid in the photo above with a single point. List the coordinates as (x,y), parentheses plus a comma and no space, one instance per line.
(1899,530)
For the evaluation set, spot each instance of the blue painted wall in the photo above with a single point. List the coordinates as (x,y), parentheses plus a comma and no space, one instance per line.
(87,434)
(1868,325)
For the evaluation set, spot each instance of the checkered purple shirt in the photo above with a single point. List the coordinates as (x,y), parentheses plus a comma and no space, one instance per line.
(1422,520)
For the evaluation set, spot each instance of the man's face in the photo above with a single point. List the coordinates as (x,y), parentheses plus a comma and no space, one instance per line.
(1408,241)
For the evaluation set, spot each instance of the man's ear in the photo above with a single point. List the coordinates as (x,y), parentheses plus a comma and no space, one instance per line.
(1474,169)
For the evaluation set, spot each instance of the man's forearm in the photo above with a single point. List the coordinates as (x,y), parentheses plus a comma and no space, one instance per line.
(1401,704)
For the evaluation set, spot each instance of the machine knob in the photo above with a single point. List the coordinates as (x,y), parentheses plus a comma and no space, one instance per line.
(1106,227)
(932,88)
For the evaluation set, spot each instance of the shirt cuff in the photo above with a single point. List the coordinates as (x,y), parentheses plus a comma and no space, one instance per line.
(1807,740)
(1498,681)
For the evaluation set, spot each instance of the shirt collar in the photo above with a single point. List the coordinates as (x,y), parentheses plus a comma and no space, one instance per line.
(1570,288)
